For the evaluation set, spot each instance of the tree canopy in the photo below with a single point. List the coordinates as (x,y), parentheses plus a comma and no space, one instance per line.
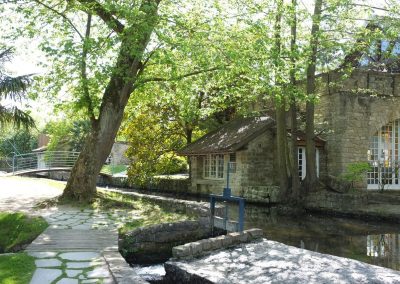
(185,61)
(12,89)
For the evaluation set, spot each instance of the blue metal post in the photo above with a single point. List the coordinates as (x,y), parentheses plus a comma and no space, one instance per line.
(241,215)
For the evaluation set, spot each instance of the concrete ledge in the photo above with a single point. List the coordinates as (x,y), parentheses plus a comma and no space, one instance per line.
(120,269)
(266,261)
(205,246)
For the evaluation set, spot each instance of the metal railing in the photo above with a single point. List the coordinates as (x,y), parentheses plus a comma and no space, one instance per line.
(42,161)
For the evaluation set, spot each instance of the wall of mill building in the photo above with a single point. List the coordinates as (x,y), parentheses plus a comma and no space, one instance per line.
(351,110)
(255,176)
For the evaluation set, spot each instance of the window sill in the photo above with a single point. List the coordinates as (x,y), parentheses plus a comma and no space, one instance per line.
(203,180)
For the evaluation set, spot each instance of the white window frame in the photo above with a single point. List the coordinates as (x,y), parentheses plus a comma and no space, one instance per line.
(213,168)
(302,162)
(384,157)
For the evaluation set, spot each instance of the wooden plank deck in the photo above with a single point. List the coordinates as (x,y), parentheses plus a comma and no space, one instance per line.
(75,240)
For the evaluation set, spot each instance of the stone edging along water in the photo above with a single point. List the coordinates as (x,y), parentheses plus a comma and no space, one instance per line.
(199,209)
(119,268)
(205,246)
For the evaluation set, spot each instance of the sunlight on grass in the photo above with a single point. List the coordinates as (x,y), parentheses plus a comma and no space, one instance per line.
(113,169)
(150,213)
(16,268)
(17,229)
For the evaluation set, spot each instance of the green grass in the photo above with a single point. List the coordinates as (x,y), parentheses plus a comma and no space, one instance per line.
(16,268)
(113,169)
(150,213)
(17,229)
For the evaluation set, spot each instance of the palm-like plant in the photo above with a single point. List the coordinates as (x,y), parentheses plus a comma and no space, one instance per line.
(13,89)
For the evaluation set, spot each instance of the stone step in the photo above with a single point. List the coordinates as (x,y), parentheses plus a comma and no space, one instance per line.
(75,240)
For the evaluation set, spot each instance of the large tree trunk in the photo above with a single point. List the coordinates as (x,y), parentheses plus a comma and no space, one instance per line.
(82,183)
(189,135)
(311,170)
(282,149)
(294,152)
(295,182)
(280,109)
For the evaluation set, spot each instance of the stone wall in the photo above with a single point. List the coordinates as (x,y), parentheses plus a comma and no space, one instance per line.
(153,244)
(190,251)
(327,201)
(255,175)
(206,246)
(117,154)
(351,111)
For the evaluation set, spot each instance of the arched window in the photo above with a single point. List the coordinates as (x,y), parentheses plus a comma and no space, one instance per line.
(383,155)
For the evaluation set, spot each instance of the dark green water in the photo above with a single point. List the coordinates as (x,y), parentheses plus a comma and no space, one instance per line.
(376,243)
(372,242)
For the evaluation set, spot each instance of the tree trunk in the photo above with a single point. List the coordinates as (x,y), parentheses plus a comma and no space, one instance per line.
(295,158)
(280,108)
(82,183)
(189,134)
(311,170)
(281,142)
(295,182)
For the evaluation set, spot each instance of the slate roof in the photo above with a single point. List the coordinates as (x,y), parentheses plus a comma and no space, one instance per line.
(229,137)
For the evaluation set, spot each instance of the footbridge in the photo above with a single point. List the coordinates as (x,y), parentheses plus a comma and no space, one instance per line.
(46,161)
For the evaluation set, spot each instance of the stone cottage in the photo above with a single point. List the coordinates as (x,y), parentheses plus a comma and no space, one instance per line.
(357,116)
(359,119)
(246,147)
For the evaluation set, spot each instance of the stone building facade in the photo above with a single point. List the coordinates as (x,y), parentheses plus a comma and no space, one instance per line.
(118,154)
(360,116)
(247,147)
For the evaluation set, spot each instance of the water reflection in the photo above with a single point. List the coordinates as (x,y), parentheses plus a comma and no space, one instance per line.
(376,243)
(384,248)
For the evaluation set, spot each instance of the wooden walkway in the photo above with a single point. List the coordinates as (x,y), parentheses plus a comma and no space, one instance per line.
(75,240)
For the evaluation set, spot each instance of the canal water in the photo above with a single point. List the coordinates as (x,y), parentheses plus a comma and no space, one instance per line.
(372,242)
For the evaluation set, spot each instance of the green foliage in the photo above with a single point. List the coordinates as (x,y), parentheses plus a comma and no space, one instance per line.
(356,172)
(67,135)
(13,89)
(171,164)
(16,268)
(113,169)
(17,229)
(152,137)
(18,141)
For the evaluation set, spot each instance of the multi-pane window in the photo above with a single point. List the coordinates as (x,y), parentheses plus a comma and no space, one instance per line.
(214,166)
(301,158)
(383,156)
(232,163)
(301,162)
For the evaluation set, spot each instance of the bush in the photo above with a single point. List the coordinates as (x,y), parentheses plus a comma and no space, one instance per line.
(170,164)
(356,172)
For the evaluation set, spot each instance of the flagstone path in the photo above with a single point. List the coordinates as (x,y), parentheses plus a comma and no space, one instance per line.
(78,246)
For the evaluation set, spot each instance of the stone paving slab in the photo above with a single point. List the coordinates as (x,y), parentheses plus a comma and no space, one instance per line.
(71,267)
(273,262)
(71,249)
